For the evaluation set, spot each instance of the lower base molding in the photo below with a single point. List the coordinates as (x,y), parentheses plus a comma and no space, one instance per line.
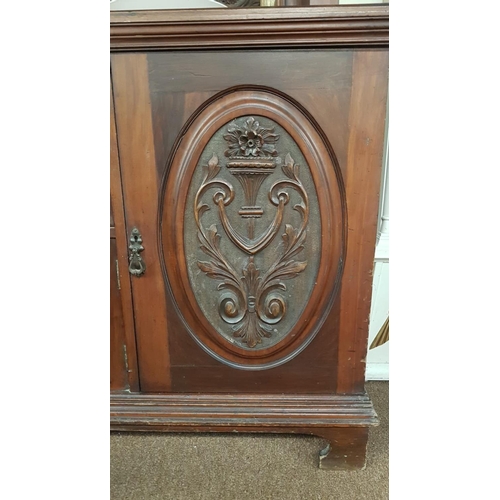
(343,420)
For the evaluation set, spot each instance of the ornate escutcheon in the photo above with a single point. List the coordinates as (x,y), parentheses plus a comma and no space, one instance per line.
(255,238)
(136,267)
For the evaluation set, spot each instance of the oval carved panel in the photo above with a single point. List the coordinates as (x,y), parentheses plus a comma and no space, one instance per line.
(252,227)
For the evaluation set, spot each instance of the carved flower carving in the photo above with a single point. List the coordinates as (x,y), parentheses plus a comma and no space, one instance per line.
(251,139)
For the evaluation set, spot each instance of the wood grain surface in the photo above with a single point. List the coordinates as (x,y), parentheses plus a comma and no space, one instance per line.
(122,329)
(329,65)
(140,190)
(333,26)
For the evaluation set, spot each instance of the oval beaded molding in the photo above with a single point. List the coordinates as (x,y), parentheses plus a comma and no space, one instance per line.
(252,227)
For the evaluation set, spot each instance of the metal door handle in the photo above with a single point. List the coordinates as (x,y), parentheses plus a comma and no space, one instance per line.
(137,267)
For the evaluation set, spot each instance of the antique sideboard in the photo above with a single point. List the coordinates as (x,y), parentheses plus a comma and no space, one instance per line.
(246,152)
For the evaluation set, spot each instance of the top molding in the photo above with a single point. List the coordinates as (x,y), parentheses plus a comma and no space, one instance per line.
(333,26)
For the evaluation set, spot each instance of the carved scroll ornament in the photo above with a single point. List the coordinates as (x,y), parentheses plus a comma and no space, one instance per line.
(251,299)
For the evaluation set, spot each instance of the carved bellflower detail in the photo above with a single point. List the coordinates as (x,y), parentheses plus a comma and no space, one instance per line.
(250,140)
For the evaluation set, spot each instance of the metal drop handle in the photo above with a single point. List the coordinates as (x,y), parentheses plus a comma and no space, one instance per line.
(137,267)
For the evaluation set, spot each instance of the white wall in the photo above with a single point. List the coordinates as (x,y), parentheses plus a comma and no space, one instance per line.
(377,360)
(361,2)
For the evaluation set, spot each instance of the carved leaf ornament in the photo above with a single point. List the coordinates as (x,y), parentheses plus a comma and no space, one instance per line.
(254,303)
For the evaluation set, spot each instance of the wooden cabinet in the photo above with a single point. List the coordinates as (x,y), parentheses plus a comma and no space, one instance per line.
(245,171)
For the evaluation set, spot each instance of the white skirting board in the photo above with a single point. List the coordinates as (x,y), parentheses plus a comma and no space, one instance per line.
(377,371)
(377,360)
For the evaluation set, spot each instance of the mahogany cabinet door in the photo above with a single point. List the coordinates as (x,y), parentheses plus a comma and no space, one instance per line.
(123,362)
(252,178)
(118,368)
